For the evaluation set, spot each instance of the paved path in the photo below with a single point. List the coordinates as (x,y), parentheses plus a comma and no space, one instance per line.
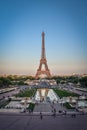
(17,122)
(58,107)
(43,107)
(48,107)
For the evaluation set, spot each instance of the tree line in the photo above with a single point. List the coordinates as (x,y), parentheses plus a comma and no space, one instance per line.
(20,80)
(14,80)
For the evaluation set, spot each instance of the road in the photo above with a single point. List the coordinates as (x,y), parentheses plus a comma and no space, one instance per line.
(11,93)
(21,122)
(73,89)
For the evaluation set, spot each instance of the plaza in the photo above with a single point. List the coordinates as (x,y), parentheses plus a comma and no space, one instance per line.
(27,122)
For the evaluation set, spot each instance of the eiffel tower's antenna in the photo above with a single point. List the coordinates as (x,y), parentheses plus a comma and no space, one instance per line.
(43,47)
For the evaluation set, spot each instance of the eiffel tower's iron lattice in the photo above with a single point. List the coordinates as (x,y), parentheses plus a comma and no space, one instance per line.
(43,61)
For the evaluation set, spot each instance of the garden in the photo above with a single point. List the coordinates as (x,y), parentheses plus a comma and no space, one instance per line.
(64,93)
(26,93)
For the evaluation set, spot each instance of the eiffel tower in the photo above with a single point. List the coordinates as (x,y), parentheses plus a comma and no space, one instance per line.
(43,61)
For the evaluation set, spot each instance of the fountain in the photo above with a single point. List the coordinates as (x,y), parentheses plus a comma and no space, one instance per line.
(44,94)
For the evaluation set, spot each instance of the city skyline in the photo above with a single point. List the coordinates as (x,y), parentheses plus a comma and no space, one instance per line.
(65,27)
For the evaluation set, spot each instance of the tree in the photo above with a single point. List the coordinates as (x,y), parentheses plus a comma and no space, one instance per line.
(1,83)
(83,81)
(4,81)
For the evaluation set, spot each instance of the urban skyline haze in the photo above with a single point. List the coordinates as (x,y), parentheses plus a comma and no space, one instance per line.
(21,25)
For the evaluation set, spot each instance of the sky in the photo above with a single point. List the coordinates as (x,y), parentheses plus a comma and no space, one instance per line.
(64,23)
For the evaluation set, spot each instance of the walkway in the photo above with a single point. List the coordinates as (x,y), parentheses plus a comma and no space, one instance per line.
(17,122)
(43,107)
(48,107)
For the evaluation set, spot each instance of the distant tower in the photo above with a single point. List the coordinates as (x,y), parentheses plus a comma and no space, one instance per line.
(43,61)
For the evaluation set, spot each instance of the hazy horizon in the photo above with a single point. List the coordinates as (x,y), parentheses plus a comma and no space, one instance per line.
(65,27)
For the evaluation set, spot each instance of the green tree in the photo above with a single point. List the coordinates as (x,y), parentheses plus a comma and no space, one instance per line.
(83,81)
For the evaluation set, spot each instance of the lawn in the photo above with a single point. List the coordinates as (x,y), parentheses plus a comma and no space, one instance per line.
(67,105)
(31,107)
(26,93)
(4,103)
(64,93)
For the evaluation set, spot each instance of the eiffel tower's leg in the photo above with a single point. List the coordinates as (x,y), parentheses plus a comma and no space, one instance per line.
(46,67)
(40,66)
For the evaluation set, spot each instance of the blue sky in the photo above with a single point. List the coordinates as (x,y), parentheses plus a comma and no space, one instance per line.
(65,25)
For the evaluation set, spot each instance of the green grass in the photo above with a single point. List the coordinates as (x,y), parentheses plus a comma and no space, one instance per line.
(26,93)
(64,93)
(67,105)
(31,106)
(4,103)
